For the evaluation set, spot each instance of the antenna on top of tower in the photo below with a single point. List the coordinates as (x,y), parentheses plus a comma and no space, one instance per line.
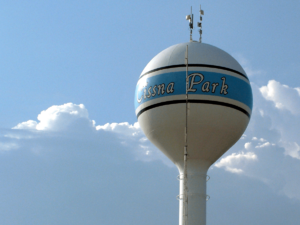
(200,24)
(190,18)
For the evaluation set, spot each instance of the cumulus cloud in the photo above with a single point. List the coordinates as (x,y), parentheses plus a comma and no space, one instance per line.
(267,151)
(68,169)
(122,128)
(64,161)
(132,135)
(28,125)
(263,145)
(292,149)
(247,145)
(283,96)
(235,160)
(72,121)
(59,117)
(273,137)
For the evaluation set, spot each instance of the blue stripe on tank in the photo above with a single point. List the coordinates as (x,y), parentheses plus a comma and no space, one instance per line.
(173,83)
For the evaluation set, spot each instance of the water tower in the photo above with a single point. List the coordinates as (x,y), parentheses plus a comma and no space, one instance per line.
(193,101)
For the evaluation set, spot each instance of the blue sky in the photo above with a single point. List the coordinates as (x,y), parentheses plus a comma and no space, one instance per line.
(70,149)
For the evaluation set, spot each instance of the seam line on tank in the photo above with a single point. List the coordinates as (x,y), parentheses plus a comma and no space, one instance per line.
(193,101)
(195,65)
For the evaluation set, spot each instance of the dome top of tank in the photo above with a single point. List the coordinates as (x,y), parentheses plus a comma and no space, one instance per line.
(198,53)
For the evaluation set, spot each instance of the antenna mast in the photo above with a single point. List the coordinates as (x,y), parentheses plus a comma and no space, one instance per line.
(200,24)
(190,18)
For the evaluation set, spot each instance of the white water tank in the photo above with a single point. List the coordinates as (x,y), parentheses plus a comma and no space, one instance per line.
(219,110)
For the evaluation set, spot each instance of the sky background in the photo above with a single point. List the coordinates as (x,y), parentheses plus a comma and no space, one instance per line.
(71,151)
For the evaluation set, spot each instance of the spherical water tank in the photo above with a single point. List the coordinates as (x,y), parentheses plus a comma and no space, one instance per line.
(218,111)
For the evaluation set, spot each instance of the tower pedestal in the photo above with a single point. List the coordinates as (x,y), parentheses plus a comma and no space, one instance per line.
(196,186)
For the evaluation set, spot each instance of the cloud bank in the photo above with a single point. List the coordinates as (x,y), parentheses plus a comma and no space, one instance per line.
(269,151)
(72,121)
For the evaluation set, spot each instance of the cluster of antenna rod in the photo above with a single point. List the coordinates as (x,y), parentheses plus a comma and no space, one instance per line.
(190,18)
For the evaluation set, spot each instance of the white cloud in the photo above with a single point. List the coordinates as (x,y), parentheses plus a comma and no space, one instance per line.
(132,135)
(268,152)
(265,152)
(283,96)
(248,145)
(59,117)
(292,149)
(235,161)
(73,121)
(122,128)
(274,125)
(263,145)
(273,136)
(30,125)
